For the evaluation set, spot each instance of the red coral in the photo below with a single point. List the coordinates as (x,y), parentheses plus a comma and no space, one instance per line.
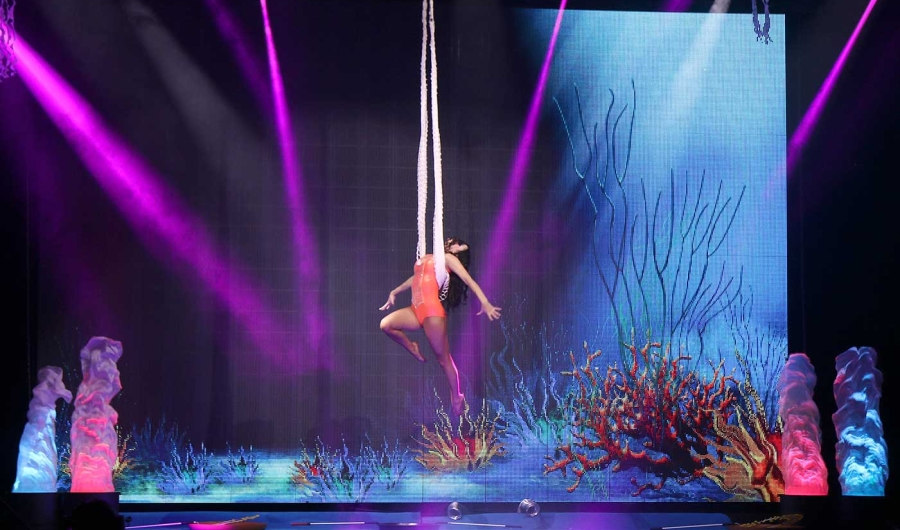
(656,417)
(307,469)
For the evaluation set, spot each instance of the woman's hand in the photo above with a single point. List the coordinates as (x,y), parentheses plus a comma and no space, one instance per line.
(492,312)
(390,302)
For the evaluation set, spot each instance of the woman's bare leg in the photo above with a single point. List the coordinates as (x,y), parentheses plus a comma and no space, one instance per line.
(394,326)
(436,331)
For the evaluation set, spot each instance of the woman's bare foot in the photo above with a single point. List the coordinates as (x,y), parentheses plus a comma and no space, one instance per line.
(414,351)
(458,404)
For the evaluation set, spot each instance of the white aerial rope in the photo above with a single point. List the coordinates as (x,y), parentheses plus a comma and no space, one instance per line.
(440,269)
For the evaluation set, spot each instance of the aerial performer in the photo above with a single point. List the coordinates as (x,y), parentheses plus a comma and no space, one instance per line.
(440,281)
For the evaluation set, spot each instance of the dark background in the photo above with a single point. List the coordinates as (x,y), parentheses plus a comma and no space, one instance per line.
(843,242)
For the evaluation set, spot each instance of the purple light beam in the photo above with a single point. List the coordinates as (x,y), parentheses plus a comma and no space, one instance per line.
(499,239)
(677,6)
(498,247)
(154,211)
(246,60)
(304,245)
(804,130)
(83,292)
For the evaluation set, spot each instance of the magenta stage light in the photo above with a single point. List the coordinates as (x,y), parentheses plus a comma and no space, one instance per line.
(304,244)
(154,211)
(675,6)
(205,110)
(82,292)
(248,63)
(499,241)
(804,130)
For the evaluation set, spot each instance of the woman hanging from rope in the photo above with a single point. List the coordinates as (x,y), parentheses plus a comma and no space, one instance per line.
(440,281)
(428,311)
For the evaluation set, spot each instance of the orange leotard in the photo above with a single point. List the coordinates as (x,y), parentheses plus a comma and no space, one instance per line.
(426,298)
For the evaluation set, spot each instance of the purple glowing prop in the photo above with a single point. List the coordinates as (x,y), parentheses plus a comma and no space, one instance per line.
(247,61)
(498,247)
(153,210)
(800,459)
(804,130)
(861,455)
(304,244)
(37,466)
(94,440)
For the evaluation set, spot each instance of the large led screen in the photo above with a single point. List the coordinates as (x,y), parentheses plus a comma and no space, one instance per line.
(240,212)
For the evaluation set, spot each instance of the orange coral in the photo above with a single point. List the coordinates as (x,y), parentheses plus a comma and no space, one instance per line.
(302,471)
(748,452)
(300,475)
(123,462)
(469,446)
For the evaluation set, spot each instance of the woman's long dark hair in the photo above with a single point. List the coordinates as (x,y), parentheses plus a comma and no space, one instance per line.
(458,290)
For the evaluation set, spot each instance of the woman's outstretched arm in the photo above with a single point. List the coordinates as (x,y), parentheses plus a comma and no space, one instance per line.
(492,312)
(397,290)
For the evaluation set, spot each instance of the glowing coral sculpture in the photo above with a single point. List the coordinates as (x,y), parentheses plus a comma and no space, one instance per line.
(94,438)
(801,462)
(37,463)
(861,451)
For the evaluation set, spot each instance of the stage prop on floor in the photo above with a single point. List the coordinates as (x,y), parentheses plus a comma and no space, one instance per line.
(861,451)
(94,438)
(38,458)
(801,460)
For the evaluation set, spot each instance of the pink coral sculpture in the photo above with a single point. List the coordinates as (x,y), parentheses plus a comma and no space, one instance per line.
(801,460)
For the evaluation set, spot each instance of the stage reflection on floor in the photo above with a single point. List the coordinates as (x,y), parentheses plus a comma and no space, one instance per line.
(487,520)
(102,511)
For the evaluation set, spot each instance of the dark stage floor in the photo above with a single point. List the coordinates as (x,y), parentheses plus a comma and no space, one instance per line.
(548,518)
(53,512)
(794,513)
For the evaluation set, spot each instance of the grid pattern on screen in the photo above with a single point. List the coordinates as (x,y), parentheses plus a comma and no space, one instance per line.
(708,100)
